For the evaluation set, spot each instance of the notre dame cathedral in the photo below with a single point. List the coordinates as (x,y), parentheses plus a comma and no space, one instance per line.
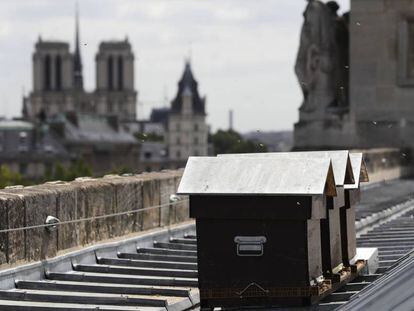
(58,81)
(99,126)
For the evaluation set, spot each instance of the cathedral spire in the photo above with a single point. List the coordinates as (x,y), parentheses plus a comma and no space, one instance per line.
(77,61)
(188,86)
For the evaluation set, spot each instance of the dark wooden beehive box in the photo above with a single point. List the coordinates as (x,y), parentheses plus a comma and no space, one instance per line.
(258,228)
(333,235)
(352,197)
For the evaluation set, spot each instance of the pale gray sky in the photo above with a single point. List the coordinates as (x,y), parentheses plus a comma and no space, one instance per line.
(242,51)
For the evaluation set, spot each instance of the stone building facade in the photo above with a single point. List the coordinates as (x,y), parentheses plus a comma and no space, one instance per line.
(29,150)
(187,130)
(101,142)
(382,75)
(381,83)
(58,81)
(89,125)
(98,126)
(115,93)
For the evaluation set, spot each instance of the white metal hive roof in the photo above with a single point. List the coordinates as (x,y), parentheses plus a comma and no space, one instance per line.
(257,176)
(340,161)
(359,169)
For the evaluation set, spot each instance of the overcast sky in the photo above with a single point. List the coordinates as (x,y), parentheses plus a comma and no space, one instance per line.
(242,51)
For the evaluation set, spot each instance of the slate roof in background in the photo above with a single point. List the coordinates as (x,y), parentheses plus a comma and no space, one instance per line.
(15,125)
(153,151)
(160,115)
(188,83)
(95,129)
(22,140)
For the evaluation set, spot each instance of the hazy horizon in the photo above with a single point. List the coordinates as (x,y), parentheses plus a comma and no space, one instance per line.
(242,53)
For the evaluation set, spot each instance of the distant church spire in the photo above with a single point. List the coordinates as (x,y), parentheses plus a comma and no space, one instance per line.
(188,86)
(77,61)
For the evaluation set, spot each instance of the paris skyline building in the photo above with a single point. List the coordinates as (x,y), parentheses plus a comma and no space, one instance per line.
(100,125)
(58,80)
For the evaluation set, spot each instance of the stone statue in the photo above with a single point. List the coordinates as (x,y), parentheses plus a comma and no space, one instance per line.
(318,59)
(342,56)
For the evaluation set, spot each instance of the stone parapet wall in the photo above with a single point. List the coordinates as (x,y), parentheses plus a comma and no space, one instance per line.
(324,135)
(387,163)
(144,199)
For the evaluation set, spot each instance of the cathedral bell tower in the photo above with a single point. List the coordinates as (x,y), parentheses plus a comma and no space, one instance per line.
(115,79)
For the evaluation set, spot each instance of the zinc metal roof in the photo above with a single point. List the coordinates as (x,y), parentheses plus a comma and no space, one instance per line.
(94,277)
(394,289)
(188,82)
(15,125)
(96,129)
(19,142)
(257,176)
(341,163)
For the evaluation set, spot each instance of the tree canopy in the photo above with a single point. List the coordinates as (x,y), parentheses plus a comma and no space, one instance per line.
(9,178)
(232,142)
